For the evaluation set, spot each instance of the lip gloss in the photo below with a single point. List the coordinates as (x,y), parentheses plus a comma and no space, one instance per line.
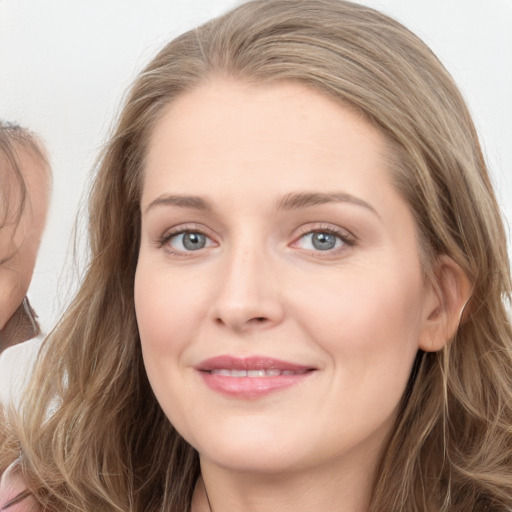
(250,377)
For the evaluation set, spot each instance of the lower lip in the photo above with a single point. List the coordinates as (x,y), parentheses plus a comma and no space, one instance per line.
(251,387)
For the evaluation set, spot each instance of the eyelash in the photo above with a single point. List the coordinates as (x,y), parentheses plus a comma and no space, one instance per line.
(163,241)
(346,238)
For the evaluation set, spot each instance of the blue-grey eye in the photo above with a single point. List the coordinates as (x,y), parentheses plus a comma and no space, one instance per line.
(189,241)
(320,241)
(324,241)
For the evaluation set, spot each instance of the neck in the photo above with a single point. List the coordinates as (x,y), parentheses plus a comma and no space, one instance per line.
(22,326)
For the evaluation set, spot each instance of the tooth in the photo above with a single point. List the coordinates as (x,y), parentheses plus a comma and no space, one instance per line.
(271,372)
(256,373)
(221,372)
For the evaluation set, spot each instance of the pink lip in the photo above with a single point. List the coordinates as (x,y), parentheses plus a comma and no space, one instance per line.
(250,387)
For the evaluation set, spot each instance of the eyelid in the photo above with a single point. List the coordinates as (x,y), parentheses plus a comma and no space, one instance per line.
(163,240)
(348,239)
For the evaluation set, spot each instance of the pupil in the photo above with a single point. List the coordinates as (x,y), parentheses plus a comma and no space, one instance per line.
(194,241)
(323,241)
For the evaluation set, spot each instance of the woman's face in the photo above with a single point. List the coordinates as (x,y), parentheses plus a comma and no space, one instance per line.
(279,292)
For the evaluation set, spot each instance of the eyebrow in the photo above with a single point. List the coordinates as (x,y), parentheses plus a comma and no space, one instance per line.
(292,201)
(183,201)
(296,201)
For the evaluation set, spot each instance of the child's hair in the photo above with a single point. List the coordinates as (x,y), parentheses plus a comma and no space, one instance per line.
(95,437)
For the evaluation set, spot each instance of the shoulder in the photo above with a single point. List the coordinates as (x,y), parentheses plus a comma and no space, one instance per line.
(16,364)
(14,496)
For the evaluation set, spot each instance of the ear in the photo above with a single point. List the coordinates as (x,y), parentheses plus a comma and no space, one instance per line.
(446,300)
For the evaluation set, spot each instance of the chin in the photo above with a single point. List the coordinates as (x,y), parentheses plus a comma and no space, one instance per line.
(252,462)
(250,450)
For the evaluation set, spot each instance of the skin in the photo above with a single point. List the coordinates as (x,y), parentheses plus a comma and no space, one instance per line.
(19,243)
(12,486)
(357,313)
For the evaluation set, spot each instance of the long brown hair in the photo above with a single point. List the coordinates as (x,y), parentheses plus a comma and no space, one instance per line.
(94,437)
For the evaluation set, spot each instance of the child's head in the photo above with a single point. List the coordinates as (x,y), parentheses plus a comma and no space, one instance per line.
(25,180)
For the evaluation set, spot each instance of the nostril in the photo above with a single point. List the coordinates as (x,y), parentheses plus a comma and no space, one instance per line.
(256,319)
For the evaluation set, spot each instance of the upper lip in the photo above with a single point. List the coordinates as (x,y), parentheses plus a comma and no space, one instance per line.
(249,363)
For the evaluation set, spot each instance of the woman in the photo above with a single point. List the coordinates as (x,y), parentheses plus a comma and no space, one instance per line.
(295,299)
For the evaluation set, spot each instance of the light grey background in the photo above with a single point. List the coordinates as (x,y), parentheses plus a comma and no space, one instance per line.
(65,64)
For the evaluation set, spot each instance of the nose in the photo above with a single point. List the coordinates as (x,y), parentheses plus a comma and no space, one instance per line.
(249,294)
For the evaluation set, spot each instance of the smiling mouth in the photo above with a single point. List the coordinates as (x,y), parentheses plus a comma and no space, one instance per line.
(272,372)
(251,377)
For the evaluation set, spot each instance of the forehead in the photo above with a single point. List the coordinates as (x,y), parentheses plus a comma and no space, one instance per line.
(241,135)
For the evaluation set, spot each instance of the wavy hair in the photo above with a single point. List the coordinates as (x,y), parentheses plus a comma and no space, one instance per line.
(93,436)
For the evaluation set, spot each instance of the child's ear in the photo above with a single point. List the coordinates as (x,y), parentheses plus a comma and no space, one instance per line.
(446,300)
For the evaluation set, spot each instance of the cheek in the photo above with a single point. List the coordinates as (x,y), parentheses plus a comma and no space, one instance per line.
(163,329)
(168,310)
(162,333)
(371,339)
(165,308)
(372,319)
(148,309)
